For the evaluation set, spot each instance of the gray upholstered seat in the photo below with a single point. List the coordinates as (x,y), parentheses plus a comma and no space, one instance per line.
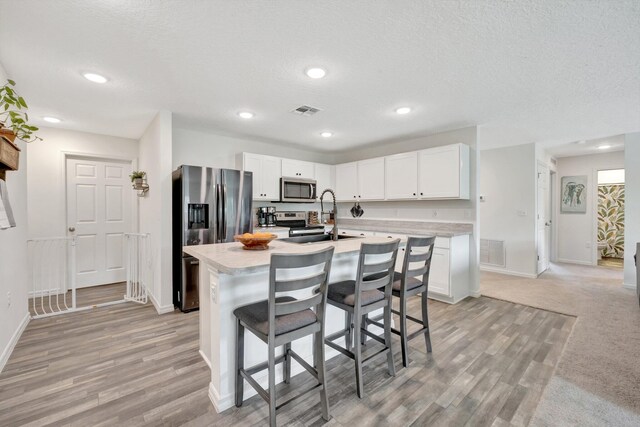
(344,293)
(412,282)
(256,316)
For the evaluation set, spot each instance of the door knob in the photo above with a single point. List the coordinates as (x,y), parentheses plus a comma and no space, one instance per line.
(72,229)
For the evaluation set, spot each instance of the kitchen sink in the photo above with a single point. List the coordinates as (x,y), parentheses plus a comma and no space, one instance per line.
(315,238)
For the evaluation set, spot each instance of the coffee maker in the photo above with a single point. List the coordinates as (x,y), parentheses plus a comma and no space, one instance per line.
(267,216)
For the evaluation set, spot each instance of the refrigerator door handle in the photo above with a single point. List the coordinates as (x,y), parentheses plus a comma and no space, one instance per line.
(218,214)
(224,210)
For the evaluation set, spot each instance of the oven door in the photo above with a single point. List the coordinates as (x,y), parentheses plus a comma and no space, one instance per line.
(297,190)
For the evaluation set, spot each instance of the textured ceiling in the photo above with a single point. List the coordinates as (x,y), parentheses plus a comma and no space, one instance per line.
(524,71)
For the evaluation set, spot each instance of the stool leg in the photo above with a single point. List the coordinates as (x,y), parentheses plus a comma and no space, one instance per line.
(318,352)
(239,362)
(286,366)
(272,385)
(358,356)
(348,320)
(363,325)
(387,338)
(425,321)
(403,331)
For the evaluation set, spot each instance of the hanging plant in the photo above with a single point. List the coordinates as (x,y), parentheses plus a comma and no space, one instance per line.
(14,119)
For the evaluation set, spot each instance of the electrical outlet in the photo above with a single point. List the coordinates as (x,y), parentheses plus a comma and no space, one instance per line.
(8,298)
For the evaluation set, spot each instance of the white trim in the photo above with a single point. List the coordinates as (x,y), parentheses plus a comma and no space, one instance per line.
(508,272)
(573,261)
(629,286)
(6,353)
(161,309)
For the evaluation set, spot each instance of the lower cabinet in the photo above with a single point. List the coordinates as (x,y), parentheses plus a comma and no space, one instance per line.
(449,278)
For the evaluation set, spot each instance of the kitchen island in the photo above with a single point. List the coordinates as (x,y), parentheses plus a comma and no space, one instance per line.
(231,277)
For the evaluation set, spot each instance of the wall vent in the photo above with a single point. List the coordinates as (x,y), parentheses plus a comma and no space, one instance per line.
(305,110)
(492,252)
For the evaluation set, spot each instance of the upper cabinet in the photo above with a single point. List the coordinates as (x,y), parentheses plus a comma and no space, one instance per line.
(298,168)
(401,176)
(363,180)
(266,175)
(325,177)
(371,179)
(443,172)
(347,181)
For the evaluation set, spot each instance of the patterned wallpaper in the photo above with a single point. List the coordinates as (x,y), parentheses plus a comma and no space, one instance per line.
(611,219)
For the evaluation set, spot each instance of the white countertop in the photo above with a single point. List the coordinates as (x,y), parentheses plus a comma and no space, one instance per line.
(230,258)
(270,229)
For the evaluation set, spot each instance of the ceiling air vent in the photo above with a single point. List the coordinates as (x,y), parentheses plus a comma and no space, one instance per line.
(305,110)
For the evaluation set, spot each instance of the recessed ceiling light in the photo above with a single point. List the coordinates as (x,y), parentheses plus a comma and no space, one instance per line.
(316,73)
(603,146)
(96,78)
(51,119)
(326,134)
(403,110)
(245,114)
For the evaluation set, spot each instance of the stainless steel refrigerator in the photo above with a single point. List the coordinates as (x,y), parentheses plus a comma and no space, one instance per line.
(209,206)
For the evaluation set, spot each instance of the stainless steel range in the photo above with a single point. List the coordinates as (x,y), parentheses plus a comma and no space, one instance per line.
(297,223)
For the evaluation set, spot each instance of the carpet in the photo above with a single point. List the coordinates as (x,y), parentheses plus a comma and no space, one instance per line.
(602,356)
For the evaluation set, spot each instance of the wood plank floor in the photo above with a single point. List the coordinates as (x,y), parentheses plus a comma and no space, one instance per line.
(125,365)
(85,297)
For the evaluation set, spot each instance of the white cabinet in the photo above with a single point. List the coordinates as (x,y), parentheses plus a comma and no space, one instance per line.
(443,172)
(371,179)
(347,181)
(298,168)
(325,177)
(439,274)
(266,175)
(363,180)
(401,176)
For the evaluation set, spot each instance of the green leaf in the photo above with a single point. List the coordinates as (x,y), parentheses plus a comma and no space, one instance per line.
(22,102)
(11,82)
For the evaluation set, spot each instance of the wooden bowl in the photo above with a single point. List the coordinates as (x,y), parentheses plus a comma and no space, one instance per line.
(254,243)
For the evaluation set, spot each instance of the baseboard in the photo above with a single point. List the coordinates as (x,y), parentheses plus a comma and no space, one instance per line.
(631,286)
(573,261)
(161,309)
(6,353)
(508,272)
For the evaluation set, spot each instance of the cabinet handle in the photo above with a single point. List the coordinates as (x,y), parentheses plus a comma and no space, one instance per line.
(414,194)
(422,194)
(354,197)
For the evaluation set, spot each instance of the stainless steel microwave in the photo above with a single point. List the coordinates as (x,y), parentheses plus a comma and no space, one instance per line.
(298,190)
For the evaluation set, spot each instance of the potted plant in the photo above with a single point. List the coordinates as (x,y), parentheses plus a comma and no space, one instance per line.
(14,123)
(137,178)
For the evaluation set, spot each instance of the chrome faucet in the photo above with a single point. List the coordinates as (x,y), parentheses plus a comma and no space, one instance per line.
(334,233)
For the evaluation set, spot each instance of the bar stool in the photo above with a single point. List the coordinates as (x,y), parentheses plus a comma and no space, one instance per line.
(358,298)
(280,320)
(412,280)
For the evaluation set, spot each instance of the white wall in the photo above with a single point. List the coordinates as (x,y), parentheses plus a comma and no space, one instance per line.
(576,233)
(217,151)
(13,262)
(632,206)
(508,184)
(46,173)
(155,208)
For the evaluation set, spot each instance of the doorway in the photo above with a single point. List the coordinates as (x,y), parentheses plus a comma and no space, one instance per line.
(543,217)
(100,211)
(610,218)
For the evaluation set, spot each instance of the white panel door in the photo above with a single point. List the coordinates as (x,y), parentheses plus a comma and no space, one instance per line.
(543,218)
(401,176)
(347,181)
(439,172)
(99,211)
(371,179)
